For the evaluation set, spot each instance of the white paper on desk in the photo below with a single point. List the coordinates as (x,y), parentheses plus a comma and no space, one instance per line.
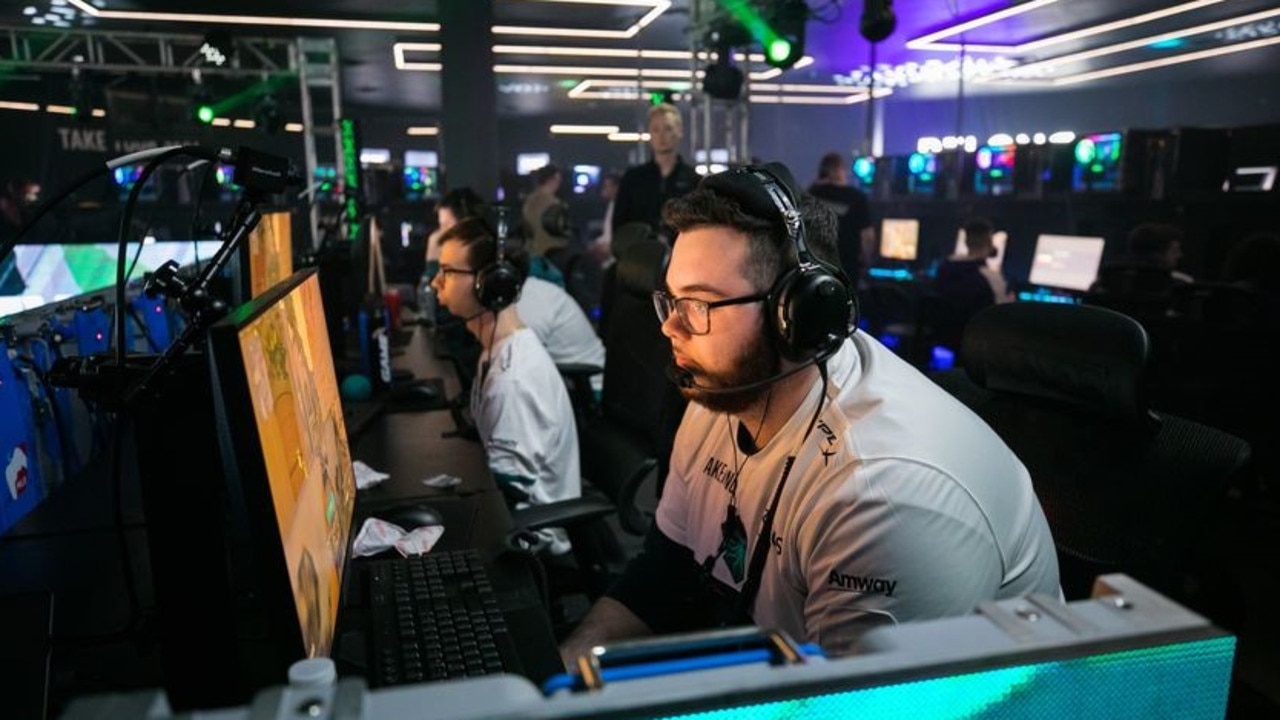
(376,536)
(367,477)
(420,541)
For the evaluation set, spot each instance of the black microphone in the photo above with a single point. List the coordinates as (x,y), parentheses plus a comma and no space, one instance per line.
(684,378)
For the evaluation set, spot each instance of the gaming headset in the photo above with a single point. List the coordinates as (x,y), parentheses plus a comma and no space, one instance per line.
(811,306)
(498,284)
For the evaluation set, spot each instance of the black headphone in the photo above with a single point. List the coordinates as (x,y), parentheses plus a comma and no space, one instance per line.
(812,308)
(498,284)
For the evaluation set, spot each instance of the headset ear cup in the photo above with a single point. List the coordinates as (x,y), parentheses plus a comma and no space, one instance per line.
(498,285)
(814,312)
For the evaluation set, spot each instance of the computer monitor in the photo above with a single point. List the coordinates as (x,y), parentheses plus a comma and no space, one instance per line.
(422,158)
(899,239)
(585,178)
(270,251)
(922,174)
(999,239)
(420,182)
(1069,262)
(526,163)
(1097,165)
(54,272)
(374,156)
(284,449)
(993,174)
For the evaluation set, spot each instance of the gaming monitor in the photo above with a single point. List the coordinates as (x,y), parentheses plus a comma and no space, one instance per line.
(899,239)
(528,162)
(1066,261)
(999,238)
(284,448)
(54,272)
(270,251)
(1097,165)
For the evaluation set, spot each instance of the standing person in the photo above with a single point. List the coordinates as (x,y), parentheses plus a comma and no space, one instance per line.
(856,238)
(518,401)
(602,248)
(819,484)
(646,188)
(535,207)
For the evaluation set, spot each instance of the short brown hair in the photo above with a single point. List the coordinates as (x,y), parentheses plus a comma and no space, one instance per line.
(482,245)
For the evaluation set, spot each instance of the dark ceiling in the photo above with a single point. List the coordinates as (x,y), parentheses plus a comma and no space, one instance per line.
(1033,31)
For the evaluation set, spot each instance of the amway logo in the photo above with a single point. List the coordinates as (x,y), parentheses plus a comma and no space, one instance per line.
(862,584)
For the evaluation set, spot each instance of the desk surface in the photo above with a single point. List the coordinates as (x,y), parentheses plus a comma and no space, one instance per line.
(412,447)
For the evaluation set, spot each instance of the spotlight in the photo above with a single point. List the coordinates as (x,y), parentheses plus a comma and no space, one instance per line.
(878,20)
(784,42)
(202,106)
(217,48)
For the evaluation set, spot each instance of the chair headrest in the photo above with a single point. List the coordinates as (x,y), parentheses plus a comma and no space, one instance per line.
(1081,355)
(628,234)
(639,267)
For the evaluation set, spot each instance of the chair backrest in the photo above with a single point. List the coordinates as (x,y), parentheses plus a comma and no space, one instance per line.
(1123,487)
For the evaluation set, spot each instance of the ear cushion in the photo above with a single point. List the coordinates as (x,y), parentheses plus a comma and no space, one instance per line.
(498,285)
(813,312)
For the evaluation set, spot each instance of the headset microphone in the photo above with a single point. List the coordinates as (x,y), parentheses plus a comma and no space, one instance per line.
(683,378)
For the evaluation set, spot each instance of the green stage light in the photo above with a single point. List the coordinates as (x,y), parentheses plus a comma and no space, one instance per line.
(779,51)
(204,113)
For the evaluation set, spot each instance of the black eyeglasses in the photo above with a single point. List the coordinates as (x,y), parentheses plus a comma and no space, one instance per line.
(695,314)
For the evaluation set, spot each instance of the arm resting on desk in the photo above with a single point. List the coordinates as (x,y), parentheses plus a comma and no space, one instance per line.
(607,621)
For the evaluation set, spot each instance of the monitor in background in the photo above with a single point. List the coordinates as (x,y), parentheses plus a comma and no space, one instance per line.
(270,251)
(1069,262)
(899,239)
(285,453)
(585,178)
(922,174)
(420,183)
(127,176)
(421,158)
(1097,163)
(374,156)
(526,163)
(55,272)
(999,238)
(994,172)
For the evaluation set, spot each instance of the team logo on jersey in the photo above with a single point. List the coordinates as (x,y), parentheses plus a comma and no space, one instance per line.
(721,472)
(733,546)
(861,584)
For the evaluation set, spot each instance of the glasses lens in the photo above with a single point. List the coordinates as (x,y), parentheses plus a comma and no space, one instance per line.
(695,314)
(662,305)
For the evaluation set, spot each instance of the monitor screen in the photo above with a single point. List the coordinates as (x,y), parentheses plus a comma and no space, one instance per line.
(585,178)
(270,251)
(1066,261)
(374,156)
(999,238)
(421,158)
(420,182)
(899,238)
(51,273)
(528,162)
(1097,163)
(285,447)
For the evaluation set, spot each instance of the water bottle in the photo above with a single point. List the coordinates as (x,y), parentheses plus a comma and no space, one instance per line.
(427,303)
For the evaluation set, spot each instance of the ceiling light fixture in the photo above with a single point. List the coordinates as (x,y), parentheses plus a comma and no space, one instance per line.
(1048,64)
(210,19)
(656,9)
(1165,61)
(629,137)
(930,41)
(583,129)
(422,131)
(810,100)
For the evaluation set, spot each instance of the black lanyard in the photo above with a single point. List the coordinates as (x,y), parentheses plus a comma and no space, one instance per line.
(755,570)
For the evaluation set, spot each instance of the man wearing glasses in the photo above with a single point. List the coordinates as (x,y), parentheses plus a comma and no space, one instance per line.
(818,495)
(518,400)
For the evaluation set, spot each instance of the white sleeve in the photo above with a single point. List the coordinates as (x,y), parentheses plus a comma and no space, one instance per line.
(904,543)
(510,424)
(673,508)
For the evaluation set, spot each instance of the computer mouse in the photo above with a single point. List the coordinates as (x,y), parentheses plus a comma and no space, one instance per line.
(411,517)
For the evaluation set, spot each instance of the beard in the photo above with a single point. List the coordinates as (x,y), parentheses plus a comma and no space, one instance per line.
(756,362)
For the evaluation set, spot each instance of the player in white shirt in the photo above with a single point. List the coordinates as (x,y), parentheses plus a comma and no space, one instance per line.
(518,401)
(819,484)
(559,322)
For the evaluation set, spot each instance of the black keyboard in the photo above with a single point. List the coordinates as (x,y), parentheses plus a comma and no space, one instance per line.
(436,617)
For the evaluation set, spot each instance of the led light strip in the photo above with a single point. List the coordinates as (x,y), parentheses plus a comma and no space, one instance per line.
(400,52)
(585,90)
(656,9)
(1166,61)
(583,129)
(1023,70)
(422,131)
(809,100)
(929,42)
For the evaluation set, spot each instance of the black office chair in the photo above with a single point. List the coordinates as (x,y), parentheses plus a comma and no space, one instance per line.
(1124,488)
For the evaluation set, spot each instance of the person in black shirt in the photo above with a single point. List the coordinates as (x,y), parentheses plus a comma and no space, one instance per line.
(856,238)
(646,188)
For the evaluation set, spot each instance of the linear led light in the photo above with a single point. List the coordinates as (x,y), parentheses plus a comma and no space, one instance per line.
(771,73)
(207,19)
(629,137)
(13,105)
(657,7)
(807,100)
(586,52)
(99,112)
(1166,61)
(1136,44)
(243,124)
(60,109)
(293,127)
(583,129)
(929,42)
(422,131)
(220,122)
(606,71)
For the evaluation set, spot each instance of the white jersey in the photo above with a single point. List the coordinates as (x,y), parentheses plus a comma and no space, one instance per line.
(901,505)
(561,325)
(522,412)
